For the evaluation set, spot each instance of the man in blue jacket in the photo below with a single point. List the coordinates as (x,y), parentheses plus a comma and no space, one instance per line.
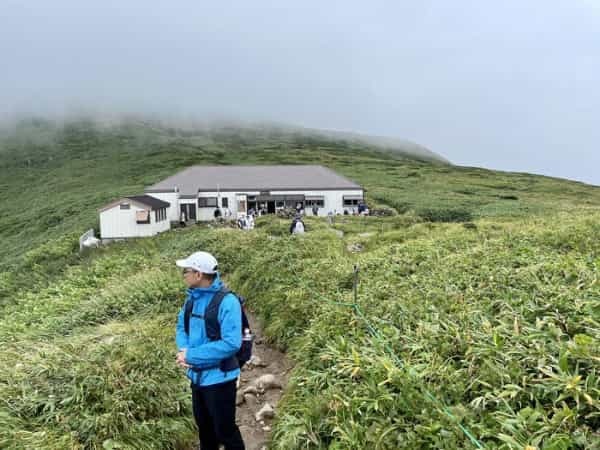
(213,389)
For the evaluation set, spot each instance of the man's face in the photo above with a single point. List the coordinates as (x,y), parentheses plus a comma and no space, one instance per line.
(192,278)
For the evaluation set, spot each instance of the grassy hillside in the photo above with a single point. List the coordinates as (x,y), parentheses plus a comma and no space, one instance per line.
(491,323)
(54,177)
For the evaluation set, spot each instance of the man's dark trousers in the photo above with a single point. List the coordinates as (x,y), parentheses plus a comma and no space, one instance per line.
(214,411)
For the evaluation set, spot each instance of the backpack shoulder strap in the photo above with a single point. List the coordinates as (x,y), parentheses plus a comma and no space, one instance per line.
(188,307)
(211,315)
(245,322)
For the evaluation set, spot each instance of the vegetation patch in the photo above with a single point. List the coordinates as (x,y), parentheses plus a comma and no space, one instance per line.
(508,197)
(445,215)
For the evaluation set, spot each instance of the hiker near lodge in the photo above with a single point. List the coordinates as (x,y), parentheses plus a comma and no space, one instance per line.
(297,226)
(211,349)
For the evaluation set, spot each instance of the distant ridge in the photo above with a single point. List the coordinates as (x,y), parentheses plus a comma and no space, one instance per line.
(403,146)
(384,142)
(158,123)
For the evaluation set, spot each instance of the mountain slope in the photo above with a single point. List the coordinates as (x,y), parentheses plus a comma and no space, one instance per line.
(487,326)
(55,176)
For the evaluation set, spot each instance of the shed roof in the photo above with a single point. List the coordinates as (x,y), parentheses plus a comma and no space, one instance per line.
(148,200)
(141,200)
(196,179)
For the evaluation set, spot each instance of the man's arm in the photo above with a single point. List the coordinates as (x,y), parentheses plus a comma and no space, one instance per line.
(181,337)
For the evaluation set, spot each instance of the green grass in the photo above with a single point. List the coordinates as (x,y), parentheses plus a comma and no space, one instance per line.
(498,318)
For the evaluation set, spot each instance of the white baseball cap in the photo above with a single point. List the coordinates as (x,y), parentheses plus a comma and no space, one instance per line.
(200,262)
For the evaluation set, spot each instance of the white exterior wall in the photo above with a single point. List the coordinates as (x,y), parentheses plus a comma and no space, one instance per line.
(334,201)
(173,199)
(232,204)
(159,227)
(206,214)
(121,223)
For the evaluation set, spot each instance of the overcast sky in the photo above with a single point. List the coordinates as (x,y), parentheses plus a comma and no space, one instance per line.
(511,84)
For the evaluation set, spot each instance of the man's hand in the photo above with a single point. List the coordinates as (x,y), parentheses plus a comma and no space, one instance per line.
(181,359)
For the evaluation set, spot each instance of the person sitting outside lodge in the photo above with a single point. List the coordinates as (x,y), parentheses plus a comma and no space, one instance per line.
(297,226)
(182,219)
(242,222)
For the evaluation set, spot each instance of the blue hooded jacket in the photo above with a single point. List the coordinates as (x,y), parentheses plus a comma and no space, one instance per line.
(201,352)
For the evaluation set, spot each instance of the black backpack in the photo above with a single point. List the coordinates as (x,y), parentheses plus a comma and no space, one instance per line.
(213,330)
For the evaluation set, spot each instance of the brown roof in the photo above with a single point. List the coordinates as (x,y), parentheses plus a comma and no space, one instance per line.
(152,202)
(253,178)
(141,200)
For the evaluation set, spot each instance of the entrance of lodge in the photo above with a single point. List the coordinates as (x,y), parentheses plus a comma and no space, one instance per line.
(273,203)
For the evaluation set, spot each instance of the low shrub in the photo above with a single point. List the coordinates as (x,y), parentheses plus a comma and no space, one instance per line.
(445,215)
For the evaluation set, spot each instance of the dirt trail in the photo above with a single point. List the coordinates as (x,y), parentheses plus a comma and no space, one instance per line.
(272,362)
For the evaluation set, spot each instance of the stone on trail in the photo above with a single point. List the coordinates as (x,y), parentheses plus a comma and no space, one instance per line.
(256,361)
(266,382)
(250,390)
(266,412)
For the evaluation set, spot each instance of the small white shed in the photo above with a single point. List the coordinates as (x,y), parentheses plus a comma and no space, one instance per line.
(134,216)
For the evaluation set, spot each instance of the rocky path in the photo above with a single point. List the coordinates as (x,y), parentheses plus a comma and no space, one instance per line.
(261,385)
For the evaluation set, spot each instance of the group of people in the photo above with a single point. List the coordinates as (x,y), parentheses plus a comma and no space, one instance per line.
(245,222)
(261,211)
(224,214)
(361,210)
